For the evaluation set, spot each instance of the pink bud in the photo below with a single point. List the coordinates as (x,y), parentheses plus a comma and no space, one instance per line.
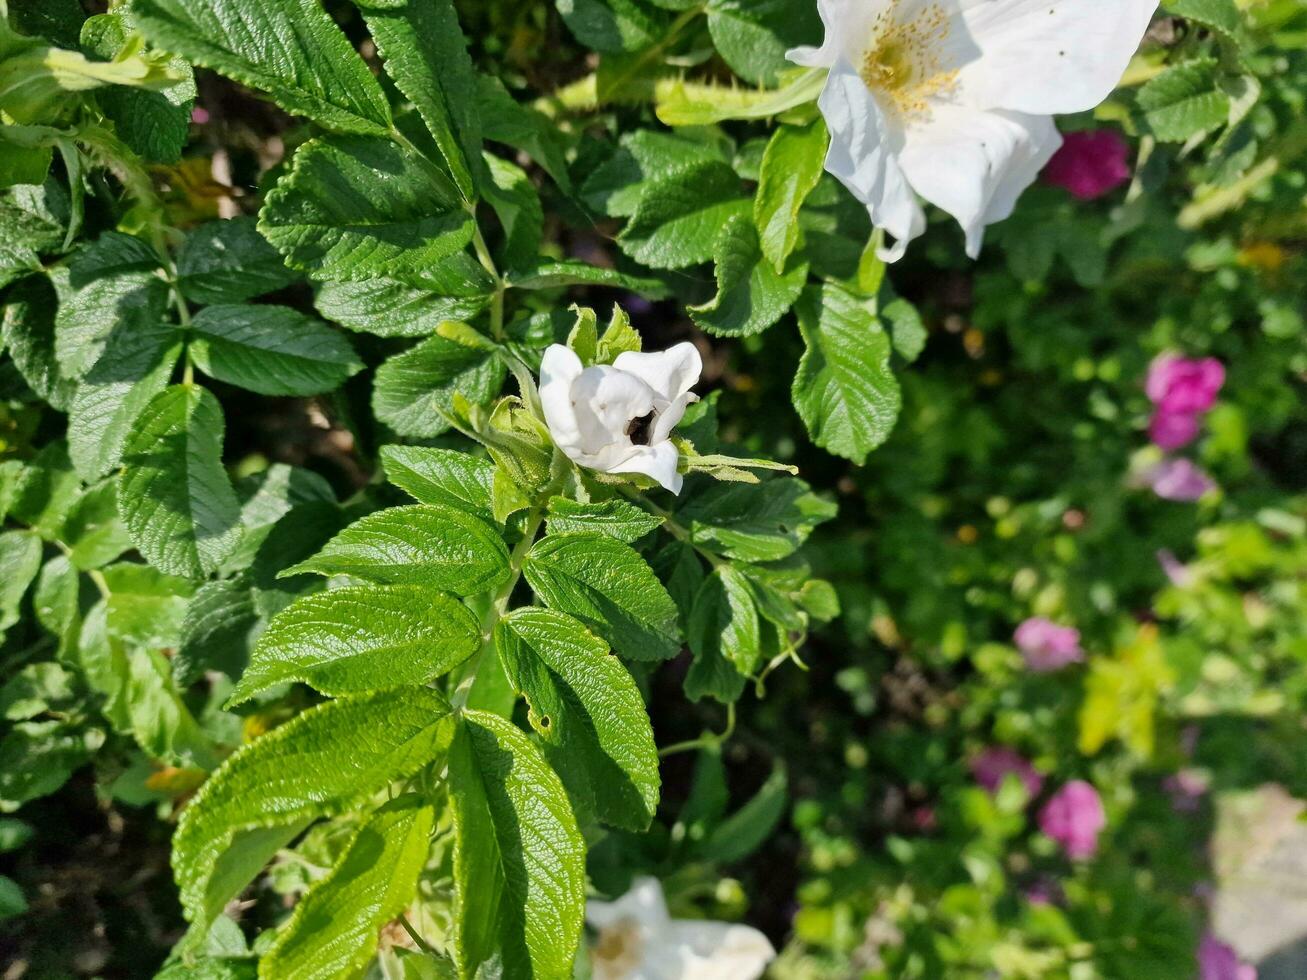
(1047,646)
(1074,817)
(995,763)
(1218,961)
(1185,385)
(1090,164)
(1180,480)
(199,115)
(1173,430)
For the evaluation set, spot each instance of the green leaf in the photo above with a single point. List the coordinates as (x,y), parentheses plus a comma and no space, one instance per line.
(753,35)
(322,762)
(426,55)
(154,123)
(791,169)
(27,328)
(36,689)
(355,207)
(766,522)
(587,711)
(272,350)
(1184,100)
(431,545)
(136,366)
(506,121)
(290,49)
(645,157)
(519,859)
(744,831)
(615,518)
(517,205)
(92,532)
(613,26)
(333,931)
(37,757)
(679,218)
(441,476)
(458,290)
(906,327)
(230,262)
(725,636)
(174,495)
(414,391)
(56,601)
(58,20)
(1221,16)
(610,588)
(361,638)
(844,390)
(750,295)
(20,561)
(217,631)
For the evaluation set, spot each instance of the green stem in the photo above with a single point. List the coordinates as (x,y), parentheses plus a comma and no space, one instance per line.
(708,740)
(422,944)
(673,527)
(499,605)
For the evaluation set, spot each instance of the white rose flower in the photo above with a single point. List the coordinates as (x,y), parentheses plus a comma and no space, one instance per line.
(618,418)
(953,99)
(638,940)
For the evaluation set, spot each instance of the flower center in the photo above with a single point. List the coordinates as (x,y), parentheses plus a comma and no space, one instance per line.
(903,61)
(617,951)
(639,429)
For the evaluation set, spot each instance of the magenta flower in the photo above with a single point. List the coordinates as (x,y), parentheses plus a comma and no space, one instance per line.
(1047,646)
(995,763)
(1177,572)
(1186,789)
(1180,480)
(1184,385)
(1172,430)
(1074,817)
(1218,961)
(1090,164)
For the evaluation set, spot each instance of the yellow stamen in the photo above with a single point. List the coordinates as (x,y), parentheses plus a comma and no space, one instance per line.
(903,62)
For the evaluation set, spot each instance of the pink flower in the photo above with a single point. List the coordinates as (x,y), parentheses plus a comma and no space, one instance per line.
(1186,789)
(1177,573)
(1184,385)
(1074,817)
(1090,164)
(1172,430)
(199,115)
(1047,646)
(995,763)
(1218,961)
(1180,480)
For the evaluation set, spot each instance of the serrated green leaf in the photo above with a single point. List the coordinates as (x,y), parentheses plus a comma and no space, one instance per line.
(615,518)
(645,157)
(174,496)
(91,531)
(750,295)
(906,327)
(753,35)
(217,631)
(725,637)
(290,49)
(425,53)
(58,20)
(791,169)
(516,203)
(230,262)
(610,589)
(414,391)
(679,218)
(764,522)
(441,476)
(56,601)
(460,290)
(20,560)
(431,545)
(333,931)
(1184,100)
(504,120)
(844,391)
(612,26)
(356,207)
(37,757)
(519,859)
(361,638)
(322,762)
(272,350)
(136,365)
(587,711)
(1217,15)
(27,329)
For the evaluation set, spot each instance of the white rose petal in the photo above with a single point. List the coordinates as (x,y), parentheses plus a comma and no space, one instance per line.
(951,100)
(619,418)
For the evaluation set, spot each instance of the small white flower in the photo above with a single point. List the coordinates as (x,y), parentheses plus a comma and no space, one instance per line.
(953,99)
(619,418)
(638,940)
